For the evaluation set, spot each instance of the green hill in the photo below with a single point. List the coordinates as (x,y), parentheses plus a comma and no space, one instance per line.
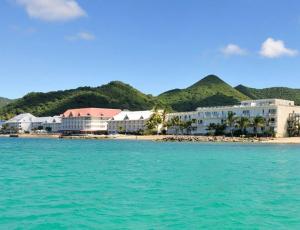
(113,95)
(274,92)
(210,91)
(4,101)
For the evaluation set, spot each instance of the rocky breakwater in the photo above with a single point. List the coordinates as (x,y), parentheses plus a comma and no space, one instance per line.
(212,139)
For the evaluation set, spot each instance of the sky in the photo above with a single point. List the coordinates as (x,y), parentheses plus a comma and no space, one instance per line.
(153,45)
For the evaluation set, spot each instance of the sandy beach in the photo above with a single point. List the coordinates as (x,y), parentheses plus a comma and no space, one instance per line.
(171,138)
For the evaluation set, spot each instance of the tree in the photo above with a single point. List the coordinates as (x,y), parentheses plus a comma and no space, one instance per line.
(211,128)
(150,124)
(175,122)
(154,121)
(188,125)
(243,123)
(164,119)
(220,128)
(258,122)
(48,129)
(120,129)
(231,121)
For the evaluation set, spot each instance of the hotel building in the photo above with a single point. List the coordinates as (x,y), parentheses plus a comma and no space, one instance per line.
(26,122)
(21,123)
(275,111)
(1,123)
(129,122)
(87,120)
(52,124)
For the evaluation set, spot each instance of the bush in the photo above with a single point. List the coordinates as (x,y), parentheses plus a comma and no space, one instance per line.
(238,133)
(269,133)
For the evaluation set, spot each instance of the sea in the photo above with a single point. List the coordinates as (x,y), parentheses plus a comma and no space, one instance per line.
(119,184)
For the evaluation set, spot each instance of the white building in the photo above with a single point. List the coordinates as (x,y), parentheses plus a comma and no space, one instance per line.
(1,123)
(87,120)
(26,122)
(50,124)
(21,123)
(129,122)
(275,111)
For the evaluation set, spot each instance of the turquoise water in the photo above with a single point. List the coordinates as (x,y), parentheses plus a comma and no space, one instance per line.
(87,184)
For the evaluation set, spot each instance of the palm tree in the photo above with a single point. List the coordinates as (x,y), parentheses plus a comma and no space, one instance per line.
(164,119)
(155,120)
(175,122)
(120,129)
(231,121)
(211,128)
(258,122)
(220,128)
(188,126)
(150,124)
(243,123)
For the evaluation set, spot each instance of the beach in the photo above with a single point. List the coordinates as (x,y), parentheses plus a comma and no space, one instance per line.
(172,138)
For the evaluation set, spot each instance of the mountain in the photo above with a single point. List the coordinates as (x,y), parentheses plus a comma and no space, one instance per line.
(4,101)
(113,95)
(210,91)
(273,92)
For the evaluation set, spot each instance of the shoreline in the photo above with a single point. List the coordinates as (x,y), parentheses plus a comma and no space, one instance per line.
(171,138)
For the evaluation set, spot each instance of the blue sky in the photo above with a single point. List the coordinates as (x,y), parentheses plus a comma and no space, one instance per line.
(154,45)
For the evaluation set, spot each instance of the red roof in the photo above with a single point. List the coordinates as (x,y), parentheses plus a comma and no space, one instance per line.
(91,112)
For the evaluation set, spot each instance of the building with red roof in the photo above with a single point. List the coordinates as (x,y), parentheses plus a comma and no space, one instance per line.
(87,120)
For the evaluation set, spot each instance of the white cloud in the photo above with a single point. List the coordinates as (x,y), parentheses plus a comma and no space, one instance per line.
(52,10)
(276,48)
(81,36)
(232,49)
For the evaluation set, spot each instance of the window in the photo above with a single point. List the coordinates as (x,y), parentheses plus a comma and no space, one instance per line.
(246,113)
(207,114)
(215,114)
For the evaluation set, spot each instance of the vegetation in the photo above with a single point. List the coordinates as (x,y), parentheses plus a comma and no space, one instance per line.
(113,95)
(210,91)
(4,101)
(274,92)
(175,123)
(231,121)
(188,125)
(216,129)
(184,126)
(243,123)
(155,121)
(258,122)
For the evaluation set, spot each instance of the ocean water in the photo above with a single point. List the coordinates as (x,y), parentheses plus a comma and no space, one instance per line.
(90,184)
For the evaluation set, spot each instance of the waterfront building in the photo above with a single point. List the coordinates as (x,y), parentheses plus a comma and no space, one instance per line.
(52,124)
(129,122)
(20,123)
(276,112)
(1,123)
(49,124)
(190,116)
(87,120)
(26,122)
